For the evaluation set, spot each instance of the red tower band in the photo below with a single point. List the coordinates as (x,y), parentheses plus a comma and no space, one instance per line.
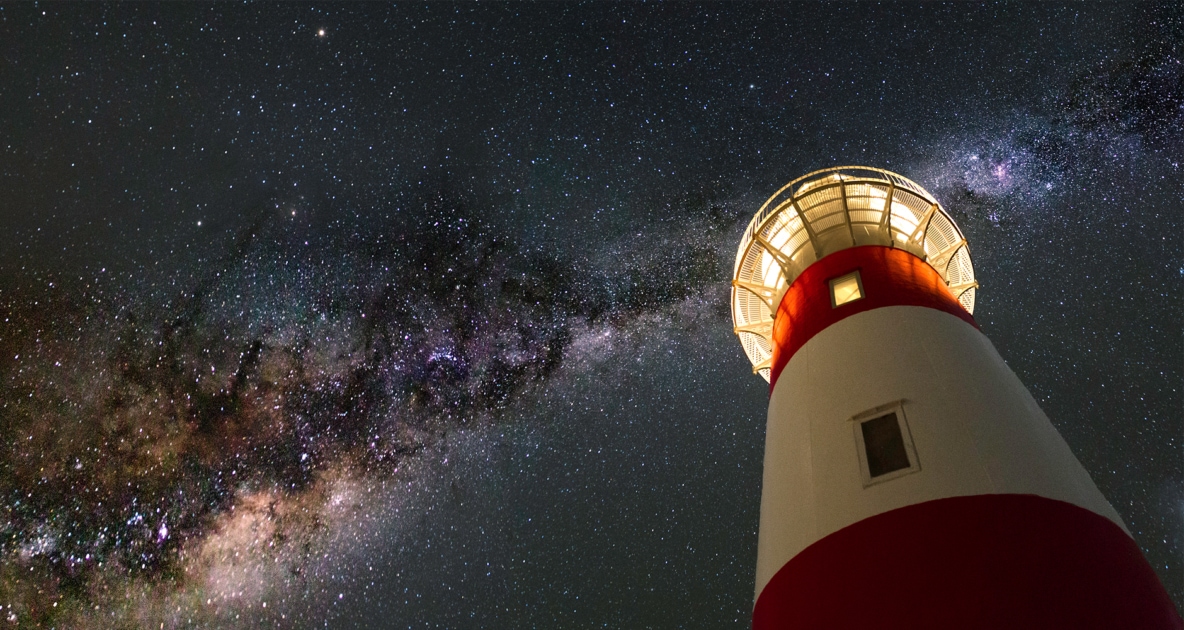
(910,480)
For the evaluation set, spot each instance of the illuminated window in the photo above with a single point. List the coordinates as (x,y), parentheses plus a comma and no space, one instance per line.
(884,443)
(845,289)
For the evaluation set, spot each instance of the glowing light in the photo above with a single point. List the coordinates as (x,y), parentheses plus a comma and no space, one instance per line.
(846,289)
(834,209)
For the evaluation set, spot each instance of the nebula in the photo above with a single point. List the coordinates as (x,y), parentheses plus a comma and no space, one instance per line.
(212,433)
(291,293)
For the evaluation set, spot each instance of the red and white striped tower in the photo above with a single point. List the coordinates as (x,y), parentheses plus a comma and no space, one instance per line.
(910,479)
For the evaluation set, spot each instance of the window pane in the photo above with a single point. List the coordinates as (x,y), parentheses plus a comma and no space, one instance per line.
(884,445)
(846,289)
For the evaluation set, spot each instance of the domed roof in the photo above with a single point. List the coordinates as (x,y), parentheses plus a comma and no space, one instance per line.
(831,210)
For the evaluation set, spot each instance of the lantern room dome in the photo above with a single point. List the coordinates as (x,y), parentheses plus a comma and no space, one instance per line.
(827,211)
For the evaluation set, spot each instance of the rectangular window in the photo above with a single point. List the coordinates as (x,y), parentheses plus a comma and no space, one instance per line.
(846,289)
(884,443)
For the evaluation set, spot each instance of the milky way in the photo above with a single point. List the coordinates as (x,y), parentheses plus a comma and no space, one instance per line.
(382,317)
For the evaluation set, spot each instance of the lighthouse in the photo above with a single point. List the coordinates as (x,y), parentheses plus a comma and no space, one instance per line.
(910,480)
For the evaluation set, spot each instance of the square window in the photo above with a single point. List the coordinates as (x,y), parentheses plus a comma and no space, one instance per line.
(885,444)
(846,289)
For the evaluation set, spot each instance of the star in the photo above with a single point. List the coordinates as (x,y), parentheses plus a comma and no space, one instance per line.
(488,380)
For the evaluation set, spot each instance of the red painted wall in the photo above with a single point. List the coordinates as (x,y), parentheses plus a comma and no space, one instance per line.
(891,277)
(975,562)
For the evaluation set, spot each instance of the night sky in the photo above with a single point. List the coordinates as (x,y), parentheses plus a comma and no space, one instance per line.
(416,316)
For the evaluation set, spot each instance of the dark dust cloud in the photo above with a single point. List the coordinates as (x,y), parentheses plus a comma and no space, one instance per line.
(416,316)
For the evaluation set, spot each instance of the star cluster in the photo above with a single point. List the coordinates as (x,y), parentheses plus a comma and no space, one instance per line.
(378,316)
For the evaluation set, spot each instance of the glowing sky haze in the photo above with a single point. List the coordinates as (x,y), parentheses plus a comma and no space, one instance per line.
(371,315)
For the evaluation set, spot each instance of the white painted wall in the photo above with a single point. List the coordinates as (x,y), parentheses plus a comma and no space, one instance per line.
(975,427)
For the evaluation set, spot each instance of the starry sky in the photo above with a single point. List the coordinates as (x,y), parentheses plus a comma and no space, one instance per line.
(416,315)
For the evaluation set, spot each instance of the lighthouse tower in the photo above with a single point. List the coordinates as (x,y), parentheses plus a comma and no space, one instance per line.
(910,479)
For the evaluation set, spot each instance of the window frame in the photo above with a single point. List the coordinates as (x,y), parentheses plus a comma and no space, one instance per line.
(906,436)
(835,280)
